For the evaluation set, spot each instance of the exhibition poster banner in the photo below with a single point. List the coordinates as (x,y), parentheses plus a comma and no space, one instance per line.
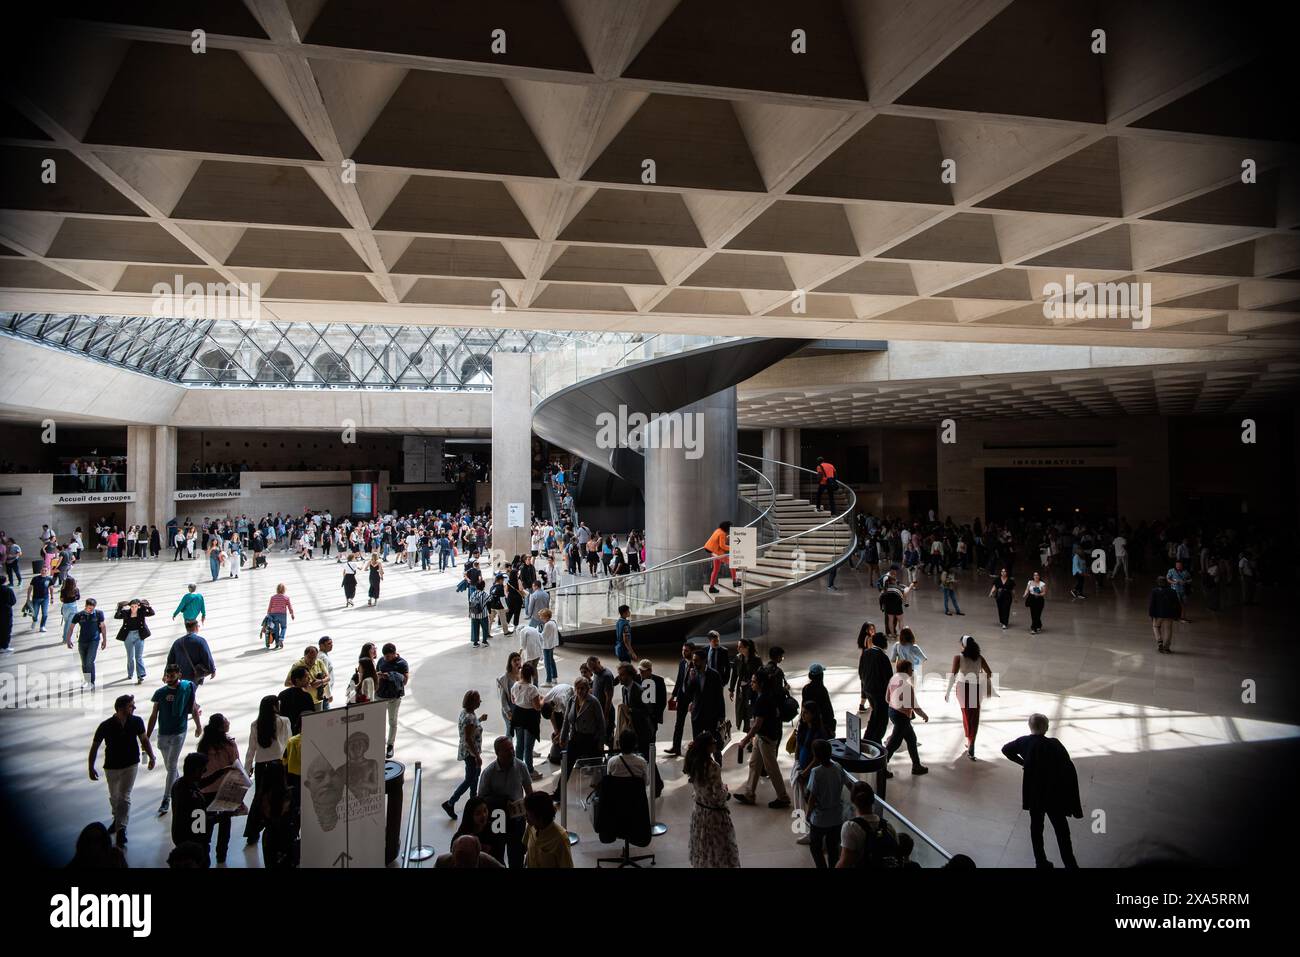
(343,786)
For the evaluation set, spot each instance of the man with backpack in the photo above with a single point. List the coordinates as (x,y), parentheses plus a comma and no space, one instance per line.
(192,654)
(497,603)
(825,482)
(394,678)
(866,840)
(479,614)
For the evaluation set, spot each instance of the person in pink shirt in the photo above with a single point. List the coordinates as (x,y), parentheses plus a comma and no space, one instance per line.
(279,611)
(113,541)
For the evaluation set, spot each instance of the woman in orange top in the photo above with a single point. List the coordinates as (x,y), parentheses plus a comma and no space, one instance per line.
(718,546)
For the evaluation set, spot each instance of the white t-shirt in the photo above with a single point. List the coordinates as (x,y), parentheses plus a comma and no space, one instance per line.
(524,694)
(1120,544)
(626,766)
(530,643)
(550,635)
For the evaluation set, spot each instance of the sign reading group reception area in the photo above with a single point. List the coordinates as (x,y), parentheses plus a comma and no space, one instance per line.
(200,495)
(343,786)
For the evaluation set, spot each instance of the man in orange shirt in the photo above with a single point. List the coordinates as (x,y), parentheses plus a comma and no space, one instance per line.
(825,482)
(720,549)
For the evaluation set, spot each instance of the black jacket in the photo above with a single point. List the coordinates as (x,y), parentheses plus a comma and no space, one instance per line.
(660,700)
(875,671)
(706,699)
(1050,782)
(681,690)
(815,692)
(719,661)
(1164,603)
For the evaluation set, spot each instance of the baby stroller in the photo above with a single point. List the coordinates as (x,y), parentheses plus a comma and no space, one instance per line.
(268,632)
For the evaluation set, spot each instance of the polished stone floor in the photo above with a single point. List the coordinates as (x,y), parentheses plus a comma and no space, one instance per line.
(1175,753)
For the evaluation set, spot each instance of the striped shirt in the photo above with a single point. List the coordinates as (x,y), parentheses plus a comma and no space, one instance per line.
(279,605)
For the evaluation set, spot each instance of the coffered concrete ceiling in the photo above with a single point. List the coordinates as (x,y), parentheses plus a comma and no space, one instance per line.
(795,193)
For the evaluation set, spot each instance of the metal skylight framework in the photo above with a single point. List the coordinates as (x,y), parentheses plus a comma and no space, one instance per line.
(268,354)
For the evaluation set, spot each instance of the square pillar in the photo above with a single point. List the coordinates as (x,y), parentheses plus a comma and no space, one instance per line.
(512,449)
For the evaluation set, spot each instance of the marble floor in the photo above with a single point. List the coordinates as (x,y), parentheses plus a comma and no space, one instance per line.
(1193,752)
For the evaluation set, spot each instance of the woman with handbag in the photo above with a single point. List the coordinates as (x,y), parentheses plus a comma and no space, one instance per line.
(713,836)
(504,684)
(739,690)
(215,557)
(376,572)
(349,583)
(1035,599)
(132,634)
(267,740)
(976,685)
(361,687)
(69,595)
(526,702)
(800,745)
(222,753)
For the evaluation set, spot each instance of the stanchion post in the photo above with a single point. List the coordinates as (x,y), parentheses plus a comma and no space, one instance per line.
(564,797)
(657,827)
(421,852)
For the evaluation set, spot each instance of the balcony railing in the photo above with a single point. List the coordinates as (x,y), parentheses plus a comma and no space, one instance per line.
(99,482)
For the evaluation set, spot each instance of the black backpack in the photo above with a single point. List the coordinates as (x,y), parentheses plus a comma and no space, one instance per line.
(881,847)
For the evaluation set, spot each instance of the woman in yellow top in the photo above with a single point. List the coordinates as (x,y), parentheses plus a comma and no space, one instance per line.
(547,843)
(719,546)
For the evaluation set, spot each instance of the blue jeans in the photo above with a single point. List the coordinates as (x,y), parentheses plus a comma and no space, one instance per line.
(281,624)
(40,609)
(443,559)
(949,593)
(524,742)
(470,783)
(13,574)
(89,651)
(169,746)
(134,656)
(67,610)
(475,626)
(214,564)
(552,672)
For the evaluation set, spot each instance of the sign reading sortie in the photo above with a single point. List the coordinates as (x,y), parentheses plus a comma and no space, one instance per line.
(93,498)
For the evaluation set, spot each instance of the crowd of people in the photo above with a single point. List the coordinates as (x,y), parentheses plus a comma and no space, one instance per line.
(736,700)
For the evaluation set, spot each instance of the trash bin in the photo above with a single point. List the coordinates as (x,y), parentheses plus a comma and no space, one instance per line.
(394,778)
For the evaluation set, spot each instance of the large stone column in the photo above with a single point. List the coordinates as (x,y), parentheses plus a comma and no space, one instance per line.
(512,457)
(164,476)
(151,474)
(772,453)
(791,449)
(688,491)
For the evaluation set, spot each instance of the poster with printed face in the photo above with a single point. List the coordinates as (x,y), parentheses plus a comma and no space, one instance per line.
(343,807)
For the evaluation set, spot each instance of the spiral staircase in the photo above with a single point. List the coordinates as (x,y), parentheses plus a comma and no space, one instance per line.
(796,542)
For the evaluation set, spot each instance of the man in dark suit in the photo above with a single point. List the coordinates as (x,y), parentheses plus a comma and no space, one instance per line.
(875,672)
(636,697)
(1050,788)
(707,707)
(717,657)
(681,695)
(659,696)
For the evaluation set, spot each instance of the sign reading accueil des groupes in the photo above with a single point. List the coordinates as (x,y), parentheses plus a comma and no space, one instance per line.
(93,498)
